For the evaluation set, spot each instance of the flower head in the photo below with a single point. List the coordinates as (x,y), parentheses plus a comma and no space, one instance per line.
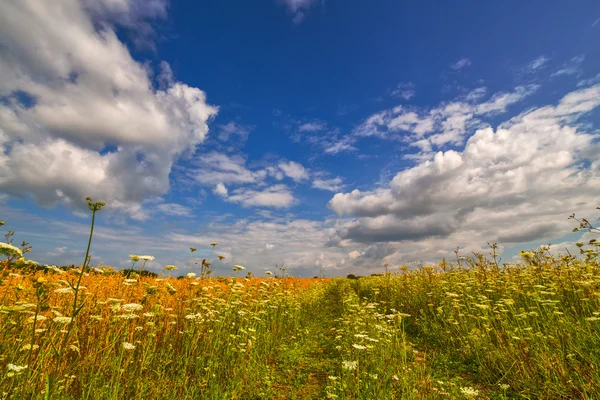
(213,244)
(147,258)
(62,320)
(134,257)
(128,346)
(221,257)
(131,307)
(238,268)
(170,268)
(191,275)
(269,273)
(9,250)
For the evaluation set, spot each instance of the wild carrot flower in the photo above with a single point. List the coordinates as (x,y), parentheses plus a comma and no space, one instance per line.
(238,268)
(16,368)
(146,258)
(359,346)
(170,268)
(134,257)
(191,275)
(128,346)
(9,250)
(349,365)
(131,307)
(213,244)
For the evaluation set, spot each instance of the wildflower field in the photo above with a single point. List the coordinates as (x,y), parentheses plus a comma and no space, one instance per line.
(474,330)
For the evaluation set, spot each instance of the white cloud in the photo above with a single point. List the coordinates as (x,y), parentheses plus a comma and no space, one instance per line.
(220,190)
(460,64)
(514,184)
(537,64)
(332,185)
(589,82)
(294,170)
(241,132)
(80,114)
(354,254)
(57,251)
(571,67)
(277,196)
(404,90)
(314,126)
(214,168)
(445,124)
(174,210)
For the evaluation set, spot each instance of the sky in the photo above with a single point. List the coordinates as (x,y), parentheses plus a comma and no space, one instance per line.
(330,136)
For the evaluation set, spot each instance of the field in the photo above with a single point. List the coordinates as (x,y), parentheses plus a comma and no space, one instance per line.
(474,330)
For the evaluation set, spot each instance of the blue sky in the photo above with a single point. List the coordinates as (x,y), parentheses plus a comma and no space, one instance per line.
(326,135)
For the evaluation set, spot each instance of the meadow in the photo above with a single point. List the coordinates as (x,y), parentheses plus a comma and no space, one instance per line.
(470,329)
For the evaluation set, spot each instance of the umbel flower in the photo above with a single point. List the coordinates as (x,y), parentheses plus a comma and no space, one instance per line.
(170,268)
(238,268)
(9,250)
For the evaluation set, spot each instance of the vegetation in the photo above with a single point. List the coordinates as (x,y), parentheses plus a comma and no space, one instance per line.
(472,329)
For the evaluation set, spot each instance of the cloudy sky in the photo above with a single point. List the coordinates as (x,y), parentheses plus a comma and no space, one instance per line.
(323,134)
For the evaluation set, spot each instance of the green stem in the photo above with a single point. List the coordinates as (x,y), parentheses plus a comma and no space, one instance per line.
(87,252)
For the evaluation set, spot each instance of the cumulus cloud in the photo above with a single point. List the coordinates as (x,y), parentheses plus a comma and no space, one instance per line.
(214,168)
(331,185)
(220,190)
(446,124)
(294,170)
(513,184)
(79,116)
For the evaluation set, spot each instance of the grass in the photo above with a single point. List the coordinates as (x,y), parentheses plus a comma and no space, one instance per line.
(528,330)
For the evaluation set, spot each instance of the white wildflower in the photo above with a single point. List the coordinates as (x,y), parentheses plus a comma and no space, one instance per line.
(131,307)
(9,250)
(128,346)
(350,365)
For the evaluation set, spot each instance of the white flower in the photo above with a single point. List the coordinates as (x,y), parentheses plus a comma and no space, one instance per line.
(134,257)
(238,268)
(131,307)
(269,273)
(359,346)
(147,258)
(38,318)
(9,250)
(128,316)
(62,320)
(128,346)
(98,270)
(469,391)
(170,268)
(349,365)
(55,269)
(16,368)
(191,275)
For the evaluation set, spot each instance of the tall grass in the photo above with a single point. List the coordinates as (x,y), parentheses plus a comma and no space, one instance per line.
(478,330)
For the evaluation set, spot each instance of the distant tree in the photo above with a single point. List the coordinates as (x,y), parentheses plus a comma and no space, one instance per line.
(351,276)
